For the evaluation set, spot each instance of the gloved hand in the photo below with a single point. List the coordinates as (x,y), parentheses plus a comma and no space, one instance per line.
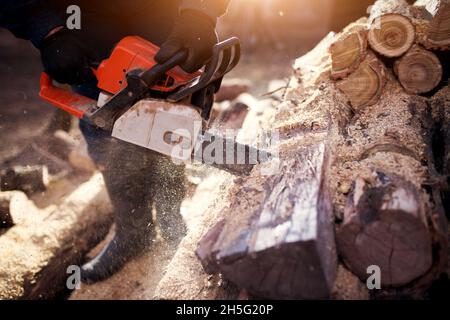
(66,58)
(196,33)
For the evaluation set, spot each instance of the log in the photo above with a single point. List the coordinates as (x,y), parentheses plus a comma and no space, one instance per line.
(348,52)
(438,35)
(389,218)
(30,179)
(385,225)
(419,71)
(392,31)
(391,35)
(364,86)
(14,208)
(284,231)
(36,253)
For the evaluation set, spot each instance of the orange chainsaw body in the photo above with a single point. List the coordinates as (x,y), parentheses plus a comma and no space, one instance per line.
(133,53)
(132,60)
(130,53)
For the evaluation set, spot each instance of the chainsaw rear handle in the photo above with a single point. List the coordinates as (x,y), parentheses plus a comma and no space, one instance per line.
(226,56)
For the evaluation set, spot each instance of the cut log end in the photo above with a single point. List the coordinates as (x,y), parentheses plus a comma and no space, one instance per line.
(439,32)
(347,54)
(391,35)
(365,86)
(385,226)
(419,71)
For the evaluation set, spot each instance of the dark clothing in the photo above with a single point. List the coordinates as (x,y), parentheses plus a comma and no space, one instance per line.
(33,19)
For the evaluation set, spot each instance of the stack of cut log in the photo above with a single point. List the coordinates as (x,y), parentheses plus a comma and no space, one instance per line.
(359,180)
(396,35)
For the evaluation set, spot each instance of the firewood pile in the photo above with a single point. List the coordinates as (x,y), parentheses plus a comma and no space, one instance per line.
(362,168)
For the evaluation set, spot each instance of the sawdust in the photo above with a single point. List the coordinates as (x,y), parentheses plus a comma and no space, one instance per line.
(348,286)
(184,277)
(136,281)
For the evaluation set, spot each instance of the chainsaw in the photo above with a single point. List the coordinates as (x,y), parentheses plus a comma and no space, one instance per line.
(159,106)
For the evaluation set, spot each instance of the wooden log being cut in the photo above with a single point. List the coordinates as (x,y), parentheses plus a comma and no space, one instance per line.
(282,244)
(364,86)
(419,71)
(14,208)
(438,35)
(385,225)
(347,53)
(36,253)
(29,179)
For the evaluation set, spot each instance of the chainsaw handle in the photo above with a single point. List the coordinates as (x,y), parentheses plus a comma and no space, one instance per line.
(150,76)
(65,99)
(225,57)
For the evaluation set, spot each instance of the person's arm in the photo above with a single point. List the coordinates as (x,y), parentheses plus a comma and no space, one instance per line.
(211,8)
(194,31)
(30,19)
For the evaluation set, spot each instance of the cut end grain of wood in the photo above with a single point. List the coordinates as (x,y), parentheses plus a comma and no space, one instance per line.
(419,71)
(365,86)
(391,35)
(347,54)
(385,225)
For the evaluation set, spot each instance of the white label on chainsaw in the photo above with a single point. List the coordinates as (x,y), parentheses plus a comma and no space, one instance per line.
(170,129)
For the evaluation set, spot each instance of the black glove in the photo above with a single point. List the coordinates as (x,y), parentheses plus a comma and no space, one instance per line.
(196,33)
(65,58)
